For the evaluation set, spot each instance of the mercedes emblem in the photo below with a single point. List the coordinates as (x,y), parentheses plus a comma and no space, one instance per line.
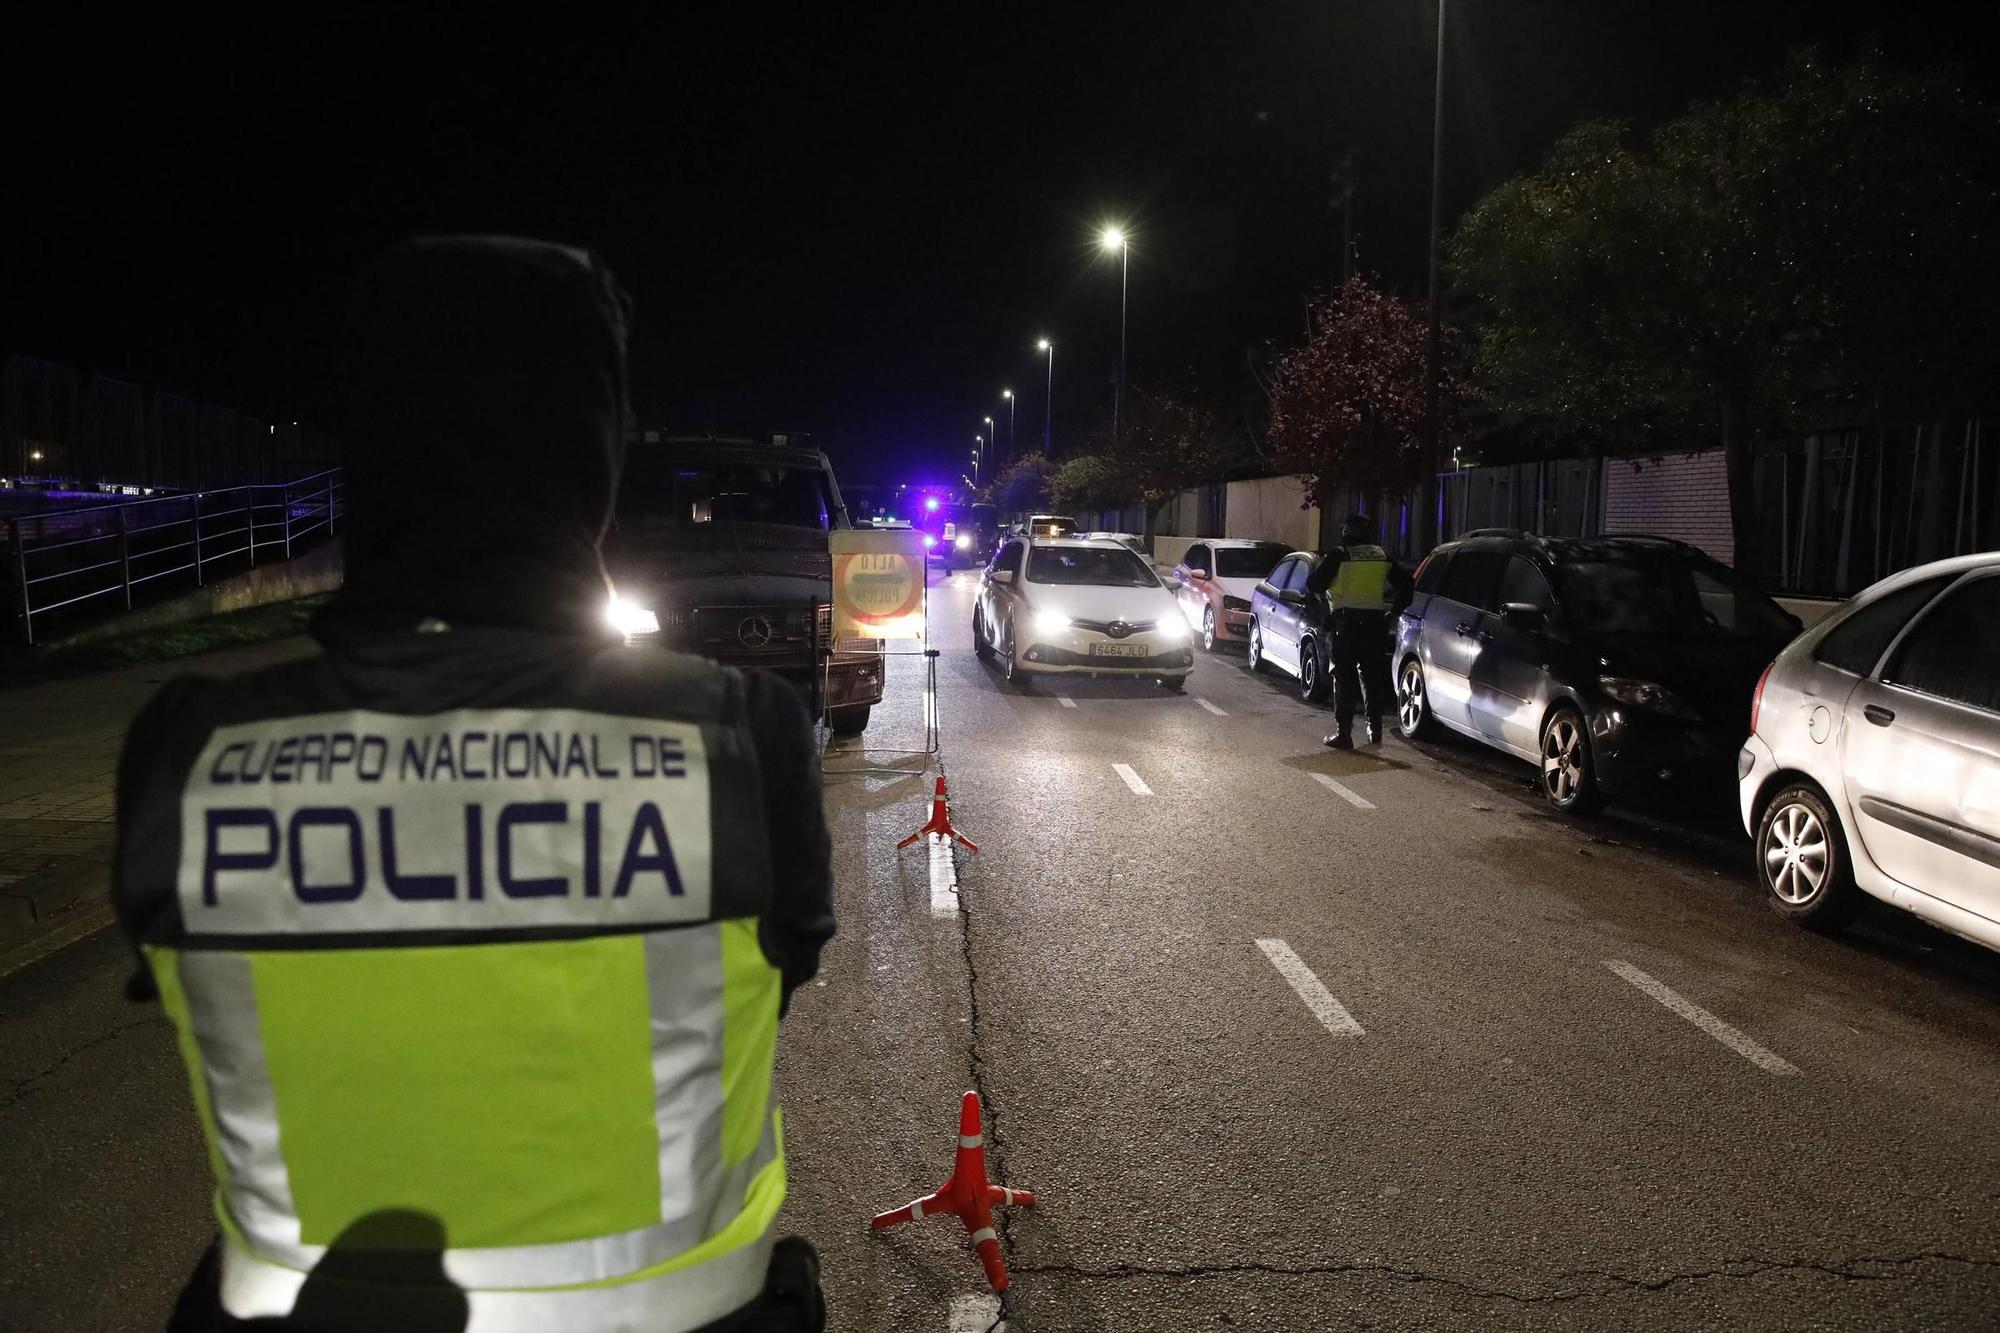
(753,632)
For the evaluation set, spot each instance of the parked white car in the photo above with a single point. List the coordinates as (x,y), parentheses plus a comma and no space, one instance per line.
(1131,541)
(1874,760)
(1081,606)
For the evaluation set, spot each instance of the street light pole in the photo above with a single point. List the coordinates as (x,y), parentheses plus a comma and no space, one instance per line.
(1008,394)
(1434,356)
(978,442)
(1114,239)
(1048,412)
(992,431)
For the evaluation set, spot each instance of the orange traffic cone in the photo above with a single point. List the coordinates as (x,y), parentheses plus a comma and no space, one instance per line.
(940,824)
(969,1194)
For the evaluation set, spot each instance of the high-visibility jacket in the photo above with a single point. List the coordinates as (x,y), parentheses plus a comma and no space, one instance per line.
(1361,582)
(460,934)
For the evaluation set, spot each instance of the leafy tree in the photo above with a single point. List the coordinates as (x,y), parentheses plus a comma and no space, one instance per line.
(1094,481)
(1348,409)
(1166,444)
(1025,486)
(1818,248)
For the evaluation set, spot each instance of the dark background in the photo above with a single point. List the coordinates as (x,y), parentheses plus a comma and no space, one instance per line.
(850,223)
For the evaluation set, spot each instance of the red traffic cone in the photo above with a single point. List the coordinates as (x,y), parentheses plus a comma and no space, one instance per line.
(940,824)
(968,1193)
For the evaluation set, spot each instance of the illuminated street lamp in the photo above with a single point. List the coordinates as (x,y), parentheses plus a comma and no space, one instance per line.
(1048,412)
(1114,239)
(978,442)
(1008,394)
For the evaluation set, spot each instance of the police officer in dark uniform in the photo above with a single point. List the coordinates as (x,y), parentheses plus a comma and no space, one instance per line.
(1363,589)
(477,925)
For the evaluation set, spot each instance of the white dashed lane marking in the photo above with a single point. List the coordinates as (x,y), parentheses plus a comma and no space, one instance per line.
(1347,794)
(1065,701)
(944,878)
(976,1314)
(1735,1040)
(1311,989)
(1133,780)
(1211,708)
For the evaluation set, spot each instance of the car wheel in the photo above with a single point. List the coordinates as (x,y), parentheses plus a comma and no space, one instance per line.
(849,721)
(1010,662)
(1174,684)
(1802,861)
(981,645)
(1312,679)
(1208,629)
(1413,706)
(1256,649)
(1569,780)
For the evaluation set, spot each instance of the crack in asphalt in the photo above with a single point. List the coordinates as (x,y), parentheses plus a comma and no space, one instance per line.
(1610,1283)
(23,1086)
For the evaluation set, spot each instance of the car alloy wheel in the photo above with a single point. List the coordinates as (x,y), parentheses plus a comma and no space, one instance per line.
(1567,781)
(1009,659)
(1795,855)
(1312,687)
(1208,629)
(981,645)
(1256,649)
(1413,710)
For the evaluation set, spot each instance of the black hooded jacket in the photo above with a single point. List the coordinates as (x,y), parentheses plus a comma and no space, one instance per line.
(484,433)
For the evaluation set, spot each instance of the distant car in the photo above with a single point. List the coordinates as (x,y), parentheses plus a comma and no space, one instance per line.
(1077,605)
(1131,541)
(1619,666)
(1045,525)
(959,536)
(1873,764)
(1218,578)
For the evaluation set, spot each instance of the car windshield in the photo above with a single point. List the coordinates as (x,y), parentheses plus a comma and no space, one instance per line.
(677,496)
(1090,565)
(1246,562)
(1666,593)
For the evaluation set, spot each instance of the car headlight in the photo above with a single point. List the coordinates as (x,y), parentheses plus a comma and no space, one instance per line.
(1647,695)
(1051,622)
(963,543)
(629,619)
(1171,631)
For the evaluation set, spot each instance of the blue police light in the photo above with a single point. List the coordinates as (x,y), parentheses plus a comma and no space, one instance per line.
(931,504)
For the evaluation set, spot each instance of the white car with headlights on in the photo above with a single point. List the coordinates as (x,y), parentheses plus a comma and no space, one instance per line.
(1079,606)
(1873,765)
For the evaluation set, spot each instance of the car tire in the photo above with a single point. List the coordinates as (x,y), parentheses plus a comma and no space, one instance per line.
(1312,676)
(1010,662)
(1174,684)
(1255,652)
(1208,629)
(1816,891)
(982,646)
(1413,703)
(850,720)
(1568,777)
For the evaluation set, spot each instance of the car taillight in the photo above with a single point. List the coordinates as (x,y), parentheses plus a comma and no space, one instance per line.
(1757,699)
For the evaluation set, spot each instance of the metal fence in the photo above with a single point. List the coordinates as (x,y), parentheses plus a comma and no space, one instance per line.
(67,558)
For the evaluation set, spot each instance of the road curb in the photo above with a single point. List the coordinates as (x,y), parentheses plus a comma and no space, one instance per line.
(49,899)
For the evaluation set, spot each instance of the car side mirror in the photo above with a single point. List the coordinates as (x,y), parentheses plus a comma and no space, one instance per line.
(1173,584)
(1003,577)
(1524,616)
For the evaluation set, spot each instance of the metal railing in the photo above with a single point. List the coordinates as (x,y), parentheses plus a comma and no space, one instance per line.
(65,558)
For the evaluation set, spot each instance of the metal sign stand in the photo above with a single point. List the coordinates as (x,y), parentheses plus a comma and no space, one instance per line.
(932,732)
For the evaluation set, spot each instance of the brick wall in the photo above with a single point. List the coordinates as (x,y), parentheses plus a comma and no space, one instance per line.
(1684,496)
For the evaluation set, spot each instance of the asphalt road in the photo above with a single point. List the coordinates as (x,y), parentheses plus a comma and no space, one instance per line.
(1396,1051)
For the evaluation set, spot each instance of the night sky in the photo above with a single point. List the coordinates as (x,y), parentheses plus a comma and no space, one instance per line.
(848,223)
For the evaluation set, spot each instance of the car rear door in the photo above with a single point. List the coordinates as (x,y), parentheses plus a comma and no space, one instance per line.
(1275,618)
(1508,674)
(1450,639)
(1920,753)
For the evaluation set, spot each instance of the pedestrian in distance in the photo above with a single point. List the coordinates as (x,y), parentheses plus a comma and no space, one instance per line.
(477,926)
(1364,590)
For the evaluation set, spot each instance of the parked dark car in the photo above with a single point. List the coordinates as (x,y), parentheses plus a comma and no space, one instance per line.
(1620,666)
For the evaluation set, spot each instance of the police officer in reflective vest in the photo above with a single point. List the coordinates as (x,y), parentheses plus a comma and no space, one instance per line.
(1361,586)
(477,925)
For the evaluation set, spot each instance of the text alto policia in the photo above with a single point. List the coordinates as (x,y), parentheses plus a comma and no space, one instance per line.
(493,817)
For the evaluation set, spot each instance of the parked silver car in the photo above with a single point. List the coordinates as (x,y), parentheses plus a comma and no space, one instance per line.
(1874,761)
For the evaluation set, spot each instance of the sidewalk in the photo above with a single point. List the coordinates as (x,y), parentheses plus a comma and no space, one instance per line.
(58,765)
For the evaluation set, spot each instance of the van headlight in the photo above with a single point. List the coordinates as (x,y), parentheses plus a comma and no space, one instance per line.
(1647,695)
(964,543)
(629,619)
